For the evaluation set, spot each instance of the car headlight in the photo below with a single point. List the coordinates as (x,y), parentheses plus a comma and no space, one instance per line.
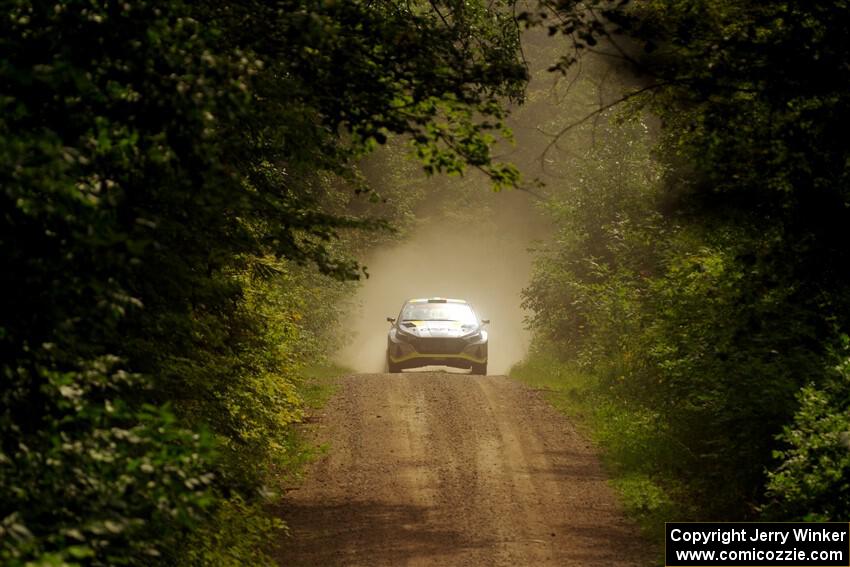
(474,335)
(401,334)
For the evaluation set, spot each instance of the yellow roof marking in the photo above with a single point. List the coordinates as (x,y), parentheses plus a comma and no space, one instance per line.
(427,299)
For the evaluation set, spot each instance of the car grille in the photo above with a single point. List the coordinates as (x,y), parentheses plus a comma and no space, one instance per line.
(437,345)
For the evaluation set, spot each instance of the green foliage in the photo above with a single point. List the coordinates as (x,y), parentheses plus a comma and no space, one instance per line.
(634,447)
(670,320)
(319,383)
(175,181)
(811,483)
(713,295)
(236,536)
(99,479)
(607,231)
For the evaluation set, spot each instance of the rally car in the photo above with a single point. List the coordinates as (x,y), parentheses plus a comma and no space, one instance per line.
(437,331)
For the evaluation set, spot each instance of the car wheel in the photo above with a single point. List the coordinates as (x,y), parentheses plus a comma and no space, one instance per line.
(479,369)
(392,368)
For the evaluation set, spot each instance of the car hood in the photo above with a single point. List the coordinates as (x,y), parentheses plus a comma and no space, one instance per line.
(437,328)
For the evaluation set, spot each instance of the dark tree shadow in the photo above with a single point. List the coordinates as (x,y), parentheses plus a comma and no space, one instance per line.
(366,533)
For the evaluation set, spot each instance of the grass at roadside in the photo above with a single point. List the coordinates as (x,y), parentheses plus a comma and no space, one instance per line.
(318,384)
(631,444)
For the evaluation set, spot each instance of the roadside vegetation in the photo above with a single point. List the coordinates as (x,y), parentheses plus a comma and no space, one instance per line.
(630,445)
(184,187)
(182,198)
(693,305)
(319,383)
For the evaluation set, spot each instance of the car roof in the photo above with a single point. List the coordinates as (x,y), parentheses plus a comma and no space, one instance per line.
(436,300)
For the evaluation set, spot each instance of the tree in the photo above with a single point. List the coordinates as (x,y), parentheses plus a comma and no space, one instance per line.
(162,162)
(751,296)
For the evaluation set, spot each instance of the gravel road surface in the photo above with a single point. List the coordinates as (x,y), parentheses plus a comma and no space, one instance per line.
(452,470)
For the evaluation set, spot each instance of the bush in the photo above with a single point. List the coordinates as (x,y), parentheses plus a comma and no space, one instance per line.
(171,180)
(709,294)
(98,481)
(811,483)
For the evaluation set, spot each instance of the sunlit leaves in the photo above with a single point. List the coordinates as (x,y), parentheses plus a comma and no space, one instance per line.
(171,181)
(750,293)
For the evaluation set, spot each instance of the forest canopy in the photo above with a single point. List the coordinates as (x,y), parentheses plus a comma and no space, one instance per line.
(183,198)
(170,172)
(703,282)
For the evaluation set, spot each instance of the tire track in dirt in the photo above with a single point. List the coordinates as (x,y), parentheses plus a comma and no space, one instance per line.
(452,470)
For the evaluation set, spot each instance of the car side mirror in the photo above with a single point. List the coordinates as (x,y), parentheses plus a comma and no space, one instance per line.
(485,321)
(390,319)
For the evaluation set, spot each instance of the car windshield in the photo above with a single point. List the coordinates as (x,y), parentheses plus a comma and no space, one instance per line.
(439,312)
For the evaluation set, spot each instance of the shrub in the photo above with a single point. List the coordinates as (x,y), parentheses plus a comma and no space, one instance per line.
(812,481)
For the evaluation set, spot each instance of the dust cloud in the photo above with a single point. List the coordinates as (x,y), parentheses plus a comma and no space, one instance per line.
(486,263)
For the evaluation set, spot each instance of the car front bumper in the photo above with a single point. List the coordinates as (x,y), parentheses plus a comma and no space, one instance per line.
(455,352)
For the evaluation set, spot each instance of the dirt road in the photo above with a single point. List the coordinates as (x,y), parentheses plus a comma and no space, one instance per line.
(446,469)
